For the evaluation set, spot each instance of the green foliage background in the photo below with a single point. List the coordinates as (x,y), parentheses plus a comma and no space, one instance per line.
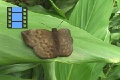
(88,22)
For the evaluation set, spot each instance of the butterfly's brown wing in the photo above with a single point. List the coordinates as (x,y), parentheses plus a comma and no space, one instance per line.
(65,42)
(41,41)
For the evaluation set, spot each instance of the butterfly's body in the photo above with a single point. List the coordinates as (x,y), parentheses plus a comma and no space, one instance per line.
(55,38)
(49,44)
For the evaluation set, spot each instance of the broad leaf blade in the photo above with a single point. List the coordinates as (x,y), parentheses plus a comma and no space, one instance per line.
(92,16)
(87,48)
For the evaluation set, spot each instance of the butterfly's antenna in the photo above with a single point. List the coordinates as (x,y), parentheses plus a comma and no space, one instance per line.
(60,24)
(45,25)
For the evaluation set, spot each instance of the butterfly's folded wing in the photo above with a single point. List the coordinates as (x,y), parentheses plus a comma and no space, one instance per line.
(41,41)
(65,42)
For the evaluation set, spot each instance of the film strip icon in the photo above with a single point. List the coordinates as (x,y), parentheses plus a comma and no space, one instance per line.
(17,17)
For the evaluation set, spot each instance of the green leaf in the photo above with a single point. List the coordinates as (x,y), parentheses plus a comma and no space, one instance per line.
(6,77)
(92,16)
(87,48)
(114,73)
(63,71)
(59,11)
(65,5)
(15,68)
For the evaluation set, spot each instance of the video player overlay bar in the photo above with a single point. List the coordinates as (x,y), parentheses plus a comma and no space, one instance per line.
(17,17)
